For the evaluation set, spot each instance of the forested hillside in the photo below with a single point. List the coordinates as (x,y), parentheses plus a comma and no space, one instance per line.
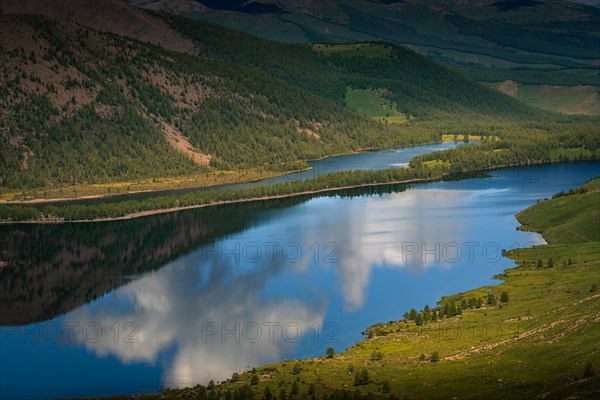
(516,144)
(113,16)
(417,85)
(80,106)
(538,43)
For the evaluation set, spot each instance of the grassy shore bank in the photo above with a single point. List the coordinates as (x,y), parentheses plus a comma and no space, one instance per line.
(136,208)
(422,169)
(535,335)
(217,203)
(206,179)
(518,144)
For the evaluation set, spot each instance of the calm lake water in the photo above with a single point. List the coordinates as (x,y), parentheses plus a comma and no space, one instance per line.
(179,299)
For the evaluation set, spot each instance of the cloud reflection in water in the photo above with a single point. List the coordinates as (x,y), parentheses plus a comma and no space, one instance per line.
(173,305)
(179,306)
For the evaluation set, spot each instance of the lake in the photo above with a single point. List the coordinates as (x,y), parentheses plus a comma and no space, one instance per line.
(179,299)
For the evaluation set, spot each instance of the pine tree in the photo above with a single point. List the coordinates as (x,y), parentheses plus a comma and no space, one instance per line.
(472,302)
(330,352)
(267,393)
(413,314)
(361,378)
(426,314)
(419,319)
(452,309)
(296,369)
(244,393)
(201,394)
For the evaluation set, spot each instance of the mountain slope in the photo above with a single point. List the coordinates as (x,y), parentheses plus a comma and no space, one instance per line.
(82,106)
(552,42)
(553,27)
(79,106)
(593,3)
(417,86)
(107,16)
(571,100)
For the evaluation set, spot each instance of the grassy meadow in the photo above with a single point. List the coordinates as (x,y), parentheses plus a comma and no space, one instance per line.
(374,104)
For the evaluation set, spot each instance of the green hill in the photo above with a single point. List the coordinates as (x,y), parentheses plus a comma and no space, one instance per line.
(81,106)
(571,217)
(582,100)
(417,85)
(85,107)
(551,42)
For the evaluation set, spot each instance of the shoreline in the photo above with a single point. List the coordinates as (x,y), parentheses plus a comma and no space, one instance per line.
(117,195)
(458,355)
(275,174)
(146,213)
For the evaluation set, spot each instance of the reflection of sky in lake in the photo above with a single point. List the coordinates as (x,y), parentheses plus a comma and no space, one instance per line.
(186,305)
(362,261)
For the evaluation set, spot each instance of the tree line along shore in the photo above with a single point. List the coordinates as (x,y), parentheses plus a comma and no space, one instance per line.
(518,149)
